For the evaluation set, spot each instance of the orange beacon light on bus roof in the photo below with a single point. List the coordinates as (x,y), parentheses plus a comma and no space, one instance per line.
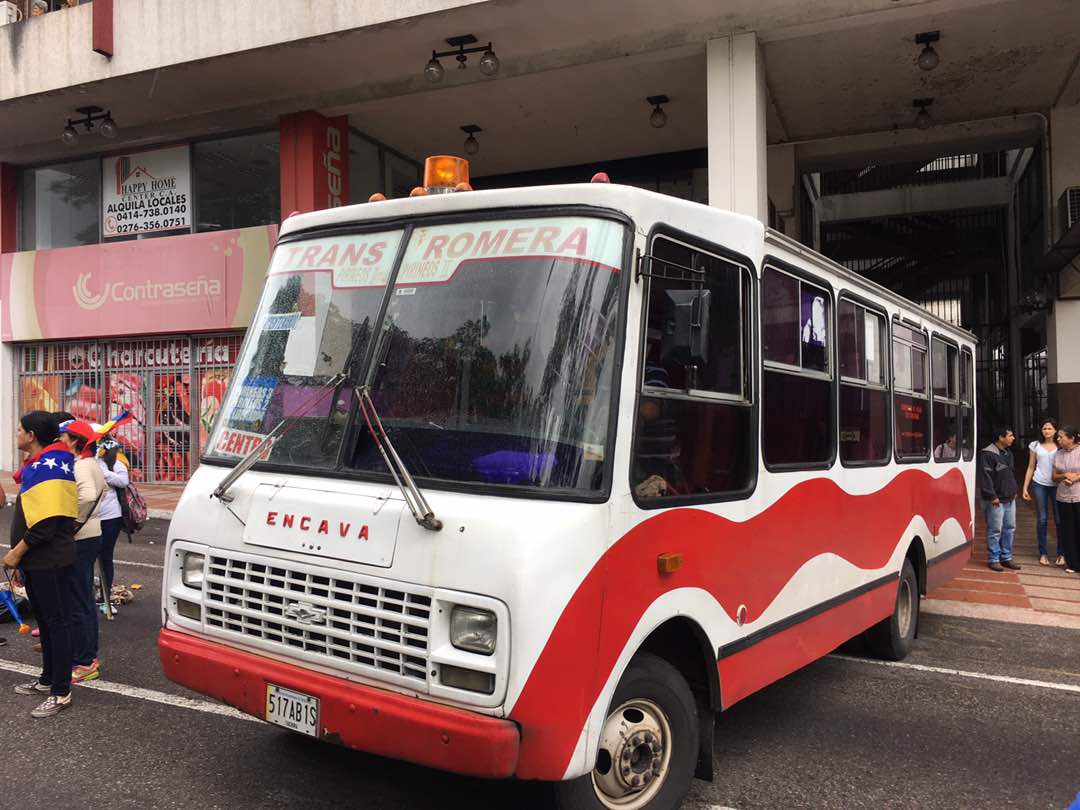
(445,173)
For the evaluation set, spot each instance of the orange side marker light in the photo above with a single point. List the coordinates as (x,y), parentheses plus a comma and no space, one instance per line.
(378,196)
(668,562)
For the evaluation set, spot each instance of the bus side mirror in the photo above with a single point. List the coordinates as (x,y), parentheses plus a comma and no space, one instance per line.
(686,328)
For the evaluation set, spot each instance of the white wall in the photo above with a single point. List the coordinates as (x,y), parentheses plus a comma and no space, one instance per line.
(1064,155)
(53,51)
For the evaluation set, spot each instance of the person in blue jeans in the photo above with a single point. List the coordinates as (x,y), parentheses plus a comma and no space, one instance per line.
(997,485)
(1039,482)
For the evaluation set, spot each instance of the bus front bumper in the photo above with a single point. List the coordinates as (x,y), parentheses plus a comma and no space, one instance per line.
(353,715)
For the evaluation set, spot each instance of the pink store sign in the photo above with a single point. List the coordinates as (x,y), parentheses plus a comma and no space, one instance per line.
(187,283)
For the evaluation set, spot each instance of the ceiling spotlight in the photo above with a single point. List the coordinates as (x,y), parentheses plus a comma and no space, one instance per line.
(472,146)
(658,117)
(434,70)
(489,62)
(928,59)
(922,118)
(108,128)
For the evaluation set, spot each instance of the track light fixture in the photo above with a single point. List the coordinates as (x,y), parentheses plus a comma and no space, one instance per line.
(472,146)
(922,118)
(489,62)
(658,117)
(928,59)
(106,126)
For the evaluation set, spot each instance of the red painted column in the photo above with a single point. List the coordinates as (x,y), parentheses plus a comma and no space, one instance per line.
(314,162)
(9,203)
(102,28)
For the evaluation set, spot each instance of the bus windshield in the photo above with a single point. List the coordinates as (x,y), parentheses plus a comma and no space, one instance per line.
(493,363)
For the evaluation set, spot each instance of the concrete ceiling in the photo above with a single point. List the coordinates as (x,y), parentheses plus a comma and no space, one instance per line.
(574,79)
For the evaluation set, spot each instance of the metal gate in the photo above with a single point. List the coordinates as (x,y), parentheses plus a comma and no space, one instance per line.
(173,386)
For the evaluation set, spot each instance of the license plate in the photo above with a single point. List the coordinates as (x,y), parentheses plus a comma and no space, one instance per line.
(293,710)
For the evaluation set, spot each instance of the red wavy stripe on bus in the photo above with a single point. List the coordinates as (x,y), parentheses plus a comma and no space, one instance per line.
(738,563)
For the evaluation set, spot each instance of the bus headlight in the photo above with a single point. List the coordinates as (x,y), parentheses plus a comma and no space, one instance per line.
(191,570)
(473,629)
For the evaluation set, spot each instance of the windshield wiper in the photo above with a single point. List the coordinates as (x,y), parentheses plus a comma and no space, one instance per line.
(248,461)
(418,505)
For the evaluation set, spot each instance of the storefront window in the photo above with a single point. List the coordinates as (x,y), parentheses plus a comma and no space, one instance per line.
(365,169)
(60,205)
(237,182)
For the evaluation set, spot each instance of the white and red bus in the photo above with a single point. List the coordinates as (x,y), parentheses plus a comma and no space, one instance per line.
(528,483)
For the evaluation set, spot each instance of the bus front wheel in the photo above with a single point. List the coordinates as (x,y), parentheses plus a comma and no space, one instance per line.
(648,745)
(893,637)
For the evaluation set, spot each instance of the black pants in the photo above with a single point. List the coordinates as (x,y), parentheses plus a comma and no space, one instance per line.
(1070,533)
(110,530)
(84,616)
(49,591)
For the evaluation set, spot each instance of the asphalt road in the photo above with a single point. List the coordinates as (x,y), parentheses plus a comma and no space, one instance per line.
(845,732)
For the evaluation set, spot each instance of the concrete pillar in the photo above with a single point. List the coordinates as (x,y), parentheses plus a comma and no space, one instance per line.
(1063,324)
(735,84)
(1063,361)
(314,162)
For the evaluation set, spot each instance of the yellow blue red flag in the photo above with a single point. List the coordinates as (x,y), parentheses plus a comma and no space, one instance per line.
(47,486)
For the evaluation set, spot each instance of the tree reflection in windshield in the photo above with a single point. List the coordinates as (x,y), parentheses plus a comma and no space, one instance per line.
(501,375)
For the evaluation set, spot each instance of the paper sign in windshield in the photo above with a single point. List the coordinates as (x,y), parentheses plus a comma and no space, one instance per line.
(238,443)
(434,253)
(363,260)
(253,399)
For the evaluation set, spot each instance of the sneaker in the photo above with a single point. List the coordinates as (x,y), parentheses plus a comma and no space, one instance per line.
(1060,562)
(1011,565)
(82,672)
(53,704)
(1043,560)
(994,566)
(32,688)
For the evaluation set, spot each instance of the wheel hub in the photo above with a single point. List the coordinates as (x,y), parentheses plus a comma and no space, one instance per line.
(635,750)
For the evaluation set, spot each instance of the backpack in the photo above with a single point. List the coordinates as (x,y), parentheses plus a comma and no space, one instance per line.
(132,509)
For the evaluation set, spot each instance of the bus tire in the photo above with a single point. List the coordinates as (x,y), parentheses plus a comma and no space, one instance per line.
(892,638)
(648,744)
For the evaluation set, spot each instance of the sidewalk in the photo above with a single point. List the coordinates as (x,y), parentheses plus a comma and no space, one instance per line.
(160,498)
(1035,595)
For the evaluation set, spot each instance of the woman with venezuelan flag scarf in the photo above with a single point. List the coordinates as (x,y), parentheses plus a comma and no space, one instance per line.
(43,552)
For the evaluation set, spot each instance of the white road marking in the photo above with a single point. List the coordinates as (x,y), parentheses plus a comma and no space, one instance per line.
(982,676)
(138,564)
(141,694)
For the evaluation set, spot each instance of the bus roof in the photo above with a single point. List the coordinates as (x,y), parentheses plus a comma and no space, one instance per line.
(742,234)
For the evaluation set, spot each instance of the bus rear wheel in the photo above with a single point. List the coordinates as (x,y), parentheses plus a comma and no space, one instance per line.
(648,744)
(893,637)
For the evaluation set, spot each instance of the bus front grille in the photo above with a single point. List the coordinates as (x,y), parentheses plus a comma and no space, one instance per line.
(377,628)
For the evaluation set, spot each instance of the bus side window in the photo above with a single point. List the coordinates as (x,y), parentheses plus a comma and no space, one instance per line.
(797,395)
(864,388)
(693,432)
(911,408)
(967,403)
(945,390)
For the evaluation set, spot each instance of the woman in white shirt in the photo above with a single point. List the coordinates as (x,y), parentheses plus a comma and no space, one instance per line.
(114,467)
(1039,481)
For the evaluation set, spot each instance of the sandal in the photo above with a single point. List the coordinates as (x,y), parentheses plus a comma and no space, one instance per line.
(1043,560)
(1060,562)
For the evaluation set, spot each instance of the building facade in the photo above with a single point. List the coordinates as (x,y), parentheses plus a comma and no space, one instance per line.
(148,150)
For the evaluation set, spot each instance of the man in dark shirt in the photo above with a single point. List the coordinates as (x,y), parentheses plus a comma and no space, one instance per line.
(997,485)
